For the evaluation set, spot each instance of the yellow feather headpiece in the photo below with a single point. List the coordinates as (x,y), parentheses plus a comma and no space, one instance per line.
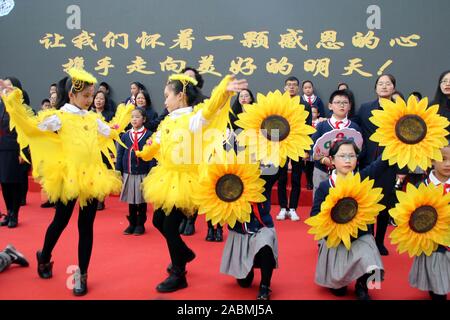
(79,78)
(184,79)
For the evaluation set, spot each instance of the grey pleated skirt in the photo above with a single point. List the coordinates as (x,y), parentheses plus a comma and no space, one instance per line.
(338,267)
(240,250)
(131,188)
(431,273)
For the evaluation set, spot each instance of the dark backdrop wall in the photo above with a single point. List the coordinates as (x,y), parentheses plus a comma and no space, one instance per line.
(322,38)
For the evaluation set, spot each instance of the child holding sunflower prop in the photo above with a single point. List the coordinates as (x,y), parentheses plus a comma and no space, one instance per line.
(66,149)
(170,186)
(423,229)
(344,209)
(232,192)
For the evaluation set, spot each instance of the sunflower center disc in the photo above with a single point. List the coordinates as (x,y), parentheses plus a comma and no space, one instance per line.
(280,126)
(229,188)
(411,129)
(423,219)
(344,211)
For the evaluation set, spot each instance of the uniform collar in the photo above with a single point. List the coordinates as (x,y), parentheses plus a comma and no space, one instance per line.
(179,112)
(435,180)
(70,108)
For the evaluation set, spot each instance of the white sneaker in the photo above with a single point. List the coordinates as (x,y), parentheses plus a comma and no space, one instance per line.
(282,214)
(293,215)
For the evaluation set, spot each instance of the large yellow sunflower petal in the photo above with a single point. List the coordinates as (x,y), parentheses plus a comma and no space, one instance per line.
(406,238)
(404,154)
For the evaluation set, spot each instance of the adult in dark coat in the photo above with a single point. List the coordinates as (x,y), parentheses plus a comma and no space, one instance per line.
(385,88)
(13,170)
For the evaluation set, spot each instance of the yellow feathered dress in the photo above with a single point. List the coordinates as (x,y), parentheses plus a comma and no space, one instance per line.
(66,147)
(183,141)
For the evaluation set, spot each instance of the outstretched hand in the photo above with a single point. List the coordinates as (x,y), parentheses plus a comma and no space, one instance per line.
(237,85)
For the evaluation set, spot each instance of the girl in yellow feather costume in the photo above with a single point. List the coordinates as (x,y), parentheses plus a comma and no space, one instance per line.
(171,184)
(66,147)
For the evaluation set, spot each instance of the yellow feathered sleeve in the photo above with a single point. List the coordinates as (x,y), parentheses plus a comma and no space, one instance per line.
(44,145)
(150,149)
(118,124)
(216,111)
(220,98)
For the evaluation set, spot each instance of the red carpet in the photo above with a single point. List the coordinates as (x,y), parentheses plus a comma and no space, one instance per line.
(130,267)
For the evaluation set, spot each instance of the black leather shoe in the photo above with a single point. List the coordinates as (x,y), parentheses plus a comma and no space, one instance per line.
(101,206)
(182,225)
(219,234)
(44,268)
(264,292)
(339,292)
(361,291)
(190,227)
(80,288)
(437,297)
(210,234)
(17,257)
(139,230)
(247,281)
(175,281)
(13,220)
(5,220)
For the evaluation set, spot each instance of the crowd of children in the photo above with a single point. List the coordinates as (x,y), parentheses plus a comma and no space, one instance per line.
(146,143)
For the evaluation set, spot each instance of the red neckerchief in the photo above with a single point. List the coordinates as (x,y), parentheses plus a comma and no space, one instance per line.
(256,212)
(136,135)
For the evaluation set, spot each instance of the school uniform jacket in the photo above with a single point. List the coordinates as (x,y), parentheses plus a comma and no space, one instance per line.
(127,162)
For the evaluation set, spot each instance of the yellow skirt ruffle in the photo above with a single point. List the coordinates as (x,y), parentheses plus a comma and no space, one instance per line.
(64,182)
(166,189)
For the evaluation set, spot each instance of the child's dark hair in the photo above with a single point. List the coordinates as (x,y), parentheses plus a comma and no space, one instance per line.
(45,101)
(343,84)
(417,94)
(139,85)
(198,76)
(400,94)
(142,112)
(193,94)
(340,93)
(64,87)
(336,145)
(104,84)
(315,107)
(307,81)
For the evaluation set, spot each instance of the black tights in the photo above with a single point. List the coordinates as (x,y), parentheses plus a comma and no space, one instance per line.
(135,209)
(86,219)
(12,196)
(266,261)
(168,226)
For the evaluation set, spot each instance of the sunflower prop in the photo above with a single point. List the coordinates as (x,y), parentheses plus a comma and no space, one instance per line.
(422,216)
(227,190)
(413,134)
(275,128)
(351,205)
